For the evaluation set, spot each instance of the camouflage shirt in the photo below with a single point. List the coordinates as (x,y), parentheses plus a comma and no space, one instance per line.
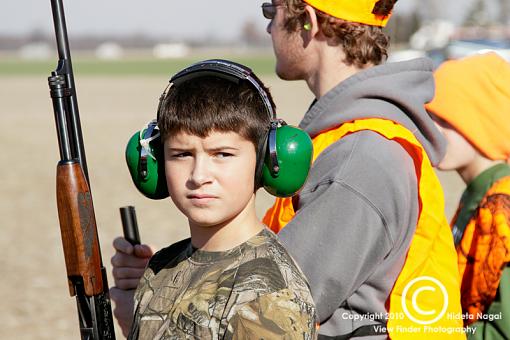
(253,291)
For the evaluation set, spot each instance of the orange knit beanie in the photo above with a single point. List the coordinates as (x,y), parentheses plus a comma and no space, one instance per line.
(473,96)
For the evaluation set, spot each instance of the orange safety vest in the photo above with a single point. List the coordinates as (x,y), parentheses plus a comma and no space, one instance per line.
(484,250)
(425,300)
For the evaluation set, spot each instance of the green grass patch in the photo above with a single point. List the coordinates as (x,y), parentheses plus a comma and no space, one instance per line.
(261,65)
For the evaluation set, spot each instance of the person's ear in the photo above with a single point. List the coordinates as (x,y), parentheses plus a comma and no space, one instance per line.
(311,25)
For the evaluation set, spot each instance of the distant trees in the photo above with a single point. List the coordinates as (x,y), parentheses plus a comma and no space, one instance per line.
(252,35)
(401,27)
(476,14)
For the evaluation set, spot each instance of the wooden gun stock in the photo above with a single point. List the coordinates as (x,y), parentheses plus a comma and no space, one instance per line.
(78,228)
(86,275)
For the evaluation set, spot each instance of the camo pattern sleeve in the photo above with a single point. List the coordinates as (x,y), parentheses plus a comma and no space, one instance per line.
(280,315)
(254,291)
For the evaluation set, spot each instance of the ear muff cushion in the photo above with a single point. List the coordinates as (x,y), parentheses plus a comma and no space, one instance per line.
(261,151)
(153,185)
(295,150)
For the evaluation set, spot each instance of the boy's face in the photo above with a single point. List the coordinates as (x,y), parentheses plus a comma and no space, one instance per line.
(459,152)
(211,179)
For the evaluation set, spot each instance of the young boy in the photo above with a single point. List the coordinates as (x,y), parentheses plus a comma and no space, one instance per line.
(232,279)
(472,107)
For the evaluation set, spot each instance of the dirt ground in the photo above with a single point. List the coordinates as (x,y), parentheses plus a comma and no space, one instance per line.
(33,290)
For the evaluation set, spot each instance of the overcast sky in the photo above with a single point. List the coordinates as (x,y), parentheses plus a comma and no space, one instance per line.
(164,18)
(183,18)
(171,18)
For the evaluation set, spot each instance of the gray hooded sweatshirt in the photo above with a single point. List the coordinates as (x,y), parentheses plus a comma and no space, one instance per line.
(357,213)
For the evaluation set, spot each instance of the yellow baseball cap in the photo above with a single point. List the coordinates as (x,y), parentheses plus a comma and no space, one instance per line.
(351,10)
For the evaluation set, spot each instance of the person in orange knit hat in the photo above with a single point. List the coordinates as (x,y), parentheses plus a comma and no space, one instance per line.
(368,228)
(473,95)
(472,108)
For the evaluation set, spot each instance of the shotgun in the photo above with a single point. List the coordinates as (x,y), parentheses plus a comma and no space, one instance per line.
(85,272)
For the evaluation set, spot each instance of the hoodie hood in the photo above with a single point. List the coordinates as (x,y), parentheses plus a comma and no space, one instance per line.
(394,91)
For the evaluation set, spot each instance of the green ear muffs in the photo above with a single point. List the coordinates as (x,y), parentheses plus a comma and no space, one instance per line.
(146,162)
(287,161)
(286,158)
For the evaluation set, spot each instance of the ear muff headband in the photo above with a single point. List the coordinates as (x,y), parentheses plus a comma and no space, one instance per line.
(228,70)
(284,157)
(235,73)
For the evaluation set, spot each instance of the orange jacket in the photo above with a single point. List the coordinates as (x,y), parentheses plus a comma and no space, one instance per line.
(425,300)
(484,249)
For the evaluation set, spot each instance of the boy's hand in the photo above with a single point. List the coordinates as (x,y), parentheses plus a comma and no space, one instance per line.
(128,265)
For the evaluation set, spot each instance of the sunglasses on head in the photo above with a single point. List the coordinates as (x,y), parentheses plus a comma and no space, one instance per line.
(269,10)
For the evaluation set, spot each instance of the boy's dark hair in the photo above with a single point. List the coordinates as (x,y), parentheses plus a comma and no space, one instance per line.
(362,44)
(205,104)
